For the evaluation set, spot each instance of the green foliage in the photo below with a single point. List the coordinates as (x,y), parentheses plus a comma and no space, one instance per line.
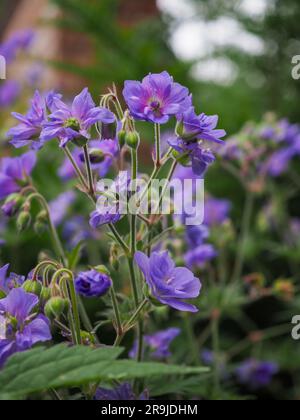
(60,366)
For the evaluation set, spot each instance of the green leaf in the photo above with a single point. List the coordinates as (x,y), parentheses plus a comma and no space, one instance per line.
(74,255)
(62,367)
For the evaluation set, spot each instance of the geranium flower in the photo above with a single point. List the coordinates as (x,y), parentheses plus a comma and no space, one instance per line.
(9,281)
(156,98)
(74,122)
(256,374)
(168,284)
(14,173)
(20,329)
(92,283)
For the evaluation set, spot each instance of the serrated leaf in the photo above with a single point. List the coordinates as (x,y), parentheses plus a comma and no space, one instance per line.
(62,367)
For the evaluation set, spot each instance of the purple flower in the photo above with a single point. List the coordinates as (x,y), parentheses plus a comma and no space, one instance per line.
(256,374)
(216,211)
(197,139)
(28,132)
(60,206)
(14,173)
(197,257)
(123,392)
(74,122)
(11,281)
(19,328)
(110,206)
(279,161)
(92,283)
(20,40)
(200,127)
(9,92)
(159,343)
(76,230)
(109,149)
(196,235)
(168,284)
(156,98)
(200,158)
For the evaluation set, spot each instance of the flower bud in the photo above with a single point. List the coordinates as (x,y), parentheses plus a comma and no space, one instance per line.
(34,287)
(55,307)
(122,138)
(23,221)
(87,338)
(133,139)
(39,227)
(80,141)
(12,204)
(96,156)
(45,294)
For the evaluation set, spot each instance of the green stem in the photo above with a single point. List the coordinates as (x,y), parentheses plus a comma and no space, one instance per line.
(74,302)
(135,316)
(248,210)
(115,305)
(55,238)
(89,172)
(76,167)
(118,238)
(157,145)
(191,338)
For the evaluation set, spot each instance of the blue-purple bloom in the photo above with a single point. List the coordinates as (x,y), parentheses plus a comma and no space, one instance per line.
(92,283)
(168,284)
(19,329)
(28,132)
(158,343)
(9,281)
(123,392)
(76,230)
(60,206)
(74,122)
(20,40)
(9,92)
(256,374)
(110,206)
(216,211)
(14,173)
(156,98)
(197,138)
(199,252)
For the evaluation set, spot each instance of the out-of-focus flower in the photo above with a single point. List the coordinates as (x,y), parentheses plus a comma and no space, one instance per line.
(9,92)
(14,173)
(9,281)
(19,328)
(74,122)
(76,230)
(123,392)
(159,343)
(28,132)
(60,206)
(256,374)
(156,98)
(168,284)
(20,40)
(199,256)
(92,283)
(216,211)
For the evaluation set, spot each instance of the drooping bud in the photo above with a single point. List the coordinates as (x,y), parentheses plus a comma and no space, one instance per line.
(34,287)
(12,204)
(41,223)
(23,221)
(55,307)
(45,294)
(133,139)
(122,138)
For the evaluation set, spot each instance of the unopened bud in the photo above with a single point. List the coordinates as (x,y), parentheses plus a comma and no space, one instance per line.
(122,138)
(12,204)
(34,287)
(133,139)
(23,221)
(102,269)
(45,294)
(56,307)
